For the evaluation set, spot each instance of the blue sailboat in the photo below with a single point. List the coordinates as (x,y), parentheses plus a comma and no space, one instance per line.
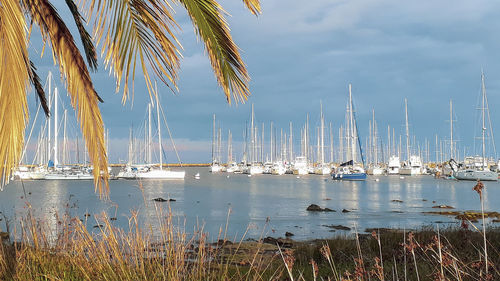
(350,170)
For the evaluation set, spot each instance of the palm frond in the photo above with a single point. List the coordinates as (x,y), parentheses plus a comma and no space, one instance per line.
(35,81)
(211,26)
(87,43)
(13,85)
(132,31)
(84,98)
(253,6)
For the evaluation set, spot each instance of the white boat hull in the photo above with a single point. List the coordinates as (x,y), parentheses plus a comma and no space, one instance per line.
(161,174)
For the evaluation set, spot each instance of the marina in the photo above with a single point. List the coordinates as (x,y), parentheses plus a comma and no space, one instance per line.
(260,205)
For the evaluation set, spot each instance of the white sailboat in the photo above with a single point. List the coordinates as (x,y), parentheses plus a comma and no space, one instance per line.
(351,170)
(413,164)
(215,166)
(158,171)
(375,167)
(322,168)
(477,169)
(254,167)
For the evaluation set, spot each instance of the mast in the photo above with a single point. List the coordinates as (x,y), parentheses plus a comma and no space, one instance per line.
(149,135)
(407,132)
(252,139)
(351,128)
(64,138)
(322,135)
(290,143)
(331,143)
(159,128)
(229,148)
(483,90)
(213,140)
(451,130)
(271,144)
(56,131)
(49,140)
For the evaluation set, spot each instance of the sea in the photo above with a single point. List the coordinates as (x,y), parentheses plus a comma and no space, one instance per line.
(241,207)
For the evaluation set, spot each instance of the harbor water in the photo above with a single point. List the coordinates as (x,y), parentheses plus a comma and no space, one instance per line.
(251,207)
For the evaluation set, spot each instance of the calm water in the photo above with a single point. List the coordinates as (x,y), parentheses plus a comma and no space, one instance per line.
(264,205)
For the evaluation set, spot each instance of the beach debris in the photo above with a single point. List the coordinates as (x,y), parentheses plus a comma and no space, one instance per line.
(397,201)
(338,227)
(289,234)
(345,211)
(442,207)
(316,208)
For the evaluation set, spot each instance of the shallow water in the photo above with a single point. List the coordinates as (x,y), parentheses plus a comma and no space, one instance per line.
(262,205)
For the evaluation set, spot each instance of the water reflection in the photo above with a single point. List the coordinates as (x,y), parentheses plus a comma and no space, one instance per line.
(265,204)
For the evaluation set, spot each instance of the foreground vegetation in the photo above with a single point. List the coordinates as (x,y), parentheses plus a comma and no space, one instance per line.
(72,252)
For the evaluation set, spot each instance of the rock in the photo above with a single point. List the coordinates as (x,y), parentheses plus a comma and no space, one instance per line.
(98,226)
(397,201)
(425,200)
(327,199)
(316,208)
(442,207)
(345,211)
(289,234)
(285,243)
(338,227)
(159,199)
(86,215)
(172,200)
(113,218)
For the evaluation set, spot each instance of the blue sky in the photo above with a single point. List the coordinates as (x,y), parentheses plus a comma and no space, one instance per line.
(299,53)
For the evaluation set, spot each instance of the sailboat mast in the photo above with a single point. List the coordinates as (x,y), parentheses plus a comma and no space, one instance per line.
(159,128)
(483,117)
(252,139)
(56,131)
(351,128)
(451,130)
(213,140)
(271,142)
(64,138)
(322,135)
(49,135)
(149,135)
(407,132)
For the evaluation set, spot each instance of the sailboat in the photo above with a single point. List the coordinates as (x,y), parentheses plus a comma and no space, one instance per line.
(254,167)
(215,166)
(375,167)
(150,170)
(413,164)
(322,168)
(351,170)
(477,170)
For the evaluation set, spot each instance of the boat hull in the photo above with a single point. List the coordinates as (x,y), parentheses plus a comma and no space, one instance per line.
(350,177)
(472,175)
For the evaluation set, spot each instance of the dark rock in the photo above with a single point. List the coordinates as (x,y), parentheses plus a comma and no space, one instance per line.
(159,199)
(86,215)
(285,243)
(289,234)
(338,227)
(98,226)
(172,200)
(113,218)
(433,201)
(345,211)
(316,208)
(425,200)
(397,201)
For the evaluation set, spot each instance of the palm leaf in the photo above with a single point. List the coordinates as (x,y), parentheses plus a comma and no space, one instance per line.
(87,43)
(14,79)
(84,98)
(136,30)
(35,81)
(209,22)
(253,6)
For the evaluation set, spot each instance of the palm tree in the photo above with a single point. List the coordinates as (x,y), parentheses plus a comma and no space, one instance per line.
(129,32)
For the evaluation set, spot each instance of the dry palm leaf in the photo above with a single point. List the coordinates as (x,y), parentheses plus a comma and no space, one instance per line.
(13,85)
(84,98)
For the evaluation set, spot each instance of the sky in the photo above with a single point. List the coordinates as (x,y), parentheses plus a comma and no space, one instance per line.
(302,53)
